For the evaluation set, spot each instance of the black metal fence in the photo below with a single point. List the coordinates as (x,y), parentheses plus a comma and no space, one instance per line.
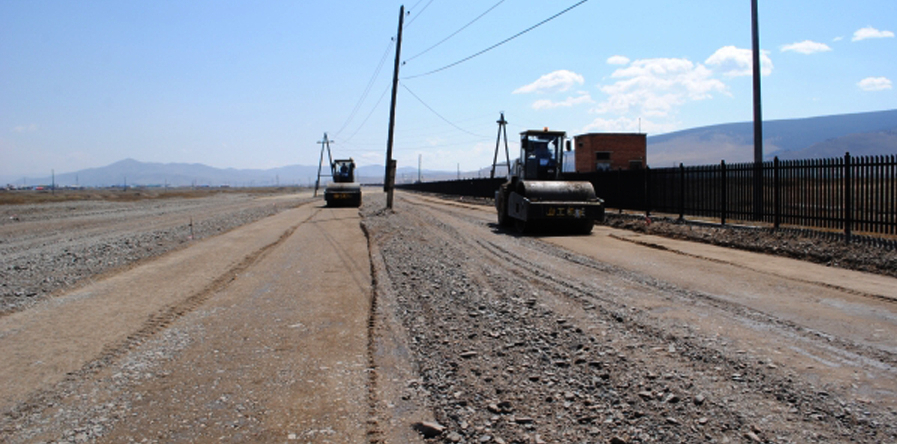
(846,194)
(462,187)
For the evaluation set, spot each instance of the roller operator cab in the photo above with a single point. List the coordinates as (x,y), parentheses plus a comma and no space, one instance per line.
(343,190)
(535,197)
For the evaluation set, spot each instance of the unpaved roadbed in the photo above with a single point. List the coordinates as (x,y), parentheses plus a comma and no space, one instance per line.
(47,248)
(520,341)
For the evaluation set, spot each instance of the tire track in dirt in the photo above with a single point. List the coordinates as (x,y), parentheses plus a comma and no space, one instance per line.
(155,323)
(802,404)
(719,261)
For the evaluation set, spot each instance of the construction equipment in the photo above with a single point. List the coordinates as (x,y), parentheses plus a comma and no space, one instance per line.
(535,197)
(343,190)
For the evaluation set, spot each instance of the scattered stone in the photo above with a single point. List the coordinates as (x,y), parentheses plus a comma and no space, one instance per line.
(752,436)
(429,429)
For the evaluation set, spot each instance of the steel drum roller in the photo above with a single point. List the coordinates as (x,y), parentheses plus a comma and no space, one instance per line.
(553,191)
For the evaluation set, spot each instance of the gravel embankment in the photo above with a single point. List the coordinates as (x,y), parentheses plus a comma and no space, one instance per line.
(50,247)
(513,348)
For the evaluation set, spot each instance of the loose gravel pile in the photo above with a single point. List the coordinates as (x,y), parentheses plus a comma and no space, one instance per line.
(50,247)
(510,349)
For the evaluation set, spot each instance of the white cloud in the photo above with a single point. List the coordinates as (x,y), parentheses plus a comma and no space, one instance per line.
(618,60)
(653,87)
(838,39)
(626,124)
(584,97)
(806,47)
(870,33)
(561,80)
(874,84)
(734,62)
(25,128)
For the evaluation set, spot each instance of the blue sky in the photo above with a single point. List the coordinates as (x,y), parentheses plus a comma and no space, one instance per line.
(236,84)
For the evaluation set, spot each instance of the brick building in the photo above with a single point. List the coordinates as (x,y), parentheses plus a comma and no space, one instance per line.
(602,151)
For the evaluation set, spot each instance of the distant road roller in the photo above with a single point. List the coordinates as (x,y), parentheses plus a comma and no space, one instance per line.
(343,191)
(535,198)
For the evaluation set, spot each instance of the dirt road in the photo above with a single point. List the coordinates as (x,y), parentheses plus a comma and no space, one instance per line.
(257,335)
(340,325)
(634,338)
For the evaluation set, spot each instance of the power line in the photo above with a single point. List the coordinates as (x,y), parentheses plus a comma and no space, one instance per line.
(437,114)
(418,14)
(497,44)
(454,33)
(385,90)
(367,89)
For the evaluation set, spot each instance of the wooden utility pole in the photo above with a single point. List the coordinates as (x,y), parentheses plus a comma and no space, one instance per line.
(758,116)
(390,176)
(502,127)
(325,143)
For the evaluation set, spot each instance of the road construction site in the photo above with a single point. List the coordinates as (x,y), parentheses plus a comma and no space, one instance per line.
(297,322)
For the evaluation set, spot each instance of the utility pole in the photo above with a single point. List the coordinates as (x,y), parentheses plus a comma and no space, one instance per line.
(502,127)
(53,186)
(418,167)
(758,116)
(389,180)
(325,143)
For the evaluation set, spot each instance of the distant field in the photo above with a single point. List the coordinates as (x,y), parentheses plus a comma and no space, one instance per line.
(19,197)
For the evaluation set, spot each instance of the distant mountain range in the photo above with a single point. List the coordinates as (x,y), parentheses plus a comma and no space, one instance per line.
(863,134)
(130,172)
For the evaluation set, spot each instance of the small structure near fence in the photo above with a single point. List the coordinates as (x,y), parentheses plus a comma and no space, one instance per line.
(610,151)
(846,194)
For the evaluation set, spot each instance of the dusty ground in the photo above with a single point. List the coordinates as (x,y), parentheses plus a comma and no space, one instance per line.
(51,247)
(612,339)
(340,325)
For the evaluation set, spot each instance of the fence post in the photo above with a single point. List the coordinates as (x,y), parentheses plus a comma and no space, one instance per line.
(647,191)
(776,201)
(848,197)
(681,191)
(723,192)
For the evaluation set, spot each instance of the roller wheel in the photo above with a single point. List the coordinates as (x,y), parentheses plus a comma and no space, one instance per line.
(584,226)
(503,220)
(521,226)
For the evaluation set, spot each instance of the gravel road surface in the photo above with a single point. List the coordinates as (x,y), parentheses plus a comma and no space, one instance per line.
(430,324)
(624,337)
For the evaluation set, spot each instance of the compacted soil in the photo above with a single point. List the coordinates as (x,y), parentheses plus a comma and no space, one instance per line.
(426,323)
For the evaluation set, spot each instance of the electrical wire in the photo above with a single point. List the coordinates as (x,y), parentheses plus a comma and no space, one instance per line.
(497,44)
(454,33)
(418,14)
(369,114)
(367,89)
(437,114)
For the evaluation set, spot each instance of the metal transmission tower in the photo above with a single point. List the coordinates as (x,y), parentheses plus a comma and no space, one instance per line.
(325,143)
(502,129)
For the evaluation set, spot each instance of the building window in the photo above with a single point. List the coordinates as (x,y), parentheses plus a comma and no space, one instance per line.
(602,160)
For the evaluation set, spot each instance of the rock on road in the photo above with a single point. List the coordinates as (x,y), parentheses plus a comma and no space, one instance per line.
(347,325)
